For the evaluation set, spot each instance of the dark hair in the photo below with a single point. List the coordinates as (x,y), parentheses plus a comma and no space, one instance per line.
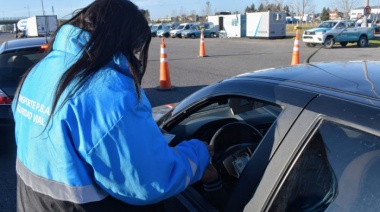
(116,26)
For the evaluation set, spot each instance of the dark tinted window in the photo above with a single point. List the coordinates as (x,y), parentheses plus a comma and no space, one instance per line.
(337,171)
(14,64)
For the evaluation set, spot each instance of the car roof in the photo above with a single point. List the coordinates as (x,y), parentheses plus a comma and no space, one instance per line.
(23,43)
(358,78)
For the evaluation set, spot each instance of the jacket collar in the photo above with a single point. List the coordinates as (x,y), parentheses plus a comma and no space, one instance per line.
(71,39)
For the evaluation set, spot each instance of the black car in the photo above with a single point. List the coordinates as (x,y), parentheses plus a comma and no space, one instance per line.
(297,138)
(16,57)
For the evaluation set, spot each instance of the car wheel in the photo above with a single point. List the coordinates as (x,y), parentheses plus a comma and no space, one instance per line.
(192,36)
(310,44)
(343,44)
(329,42)
(212,35)
(363,41)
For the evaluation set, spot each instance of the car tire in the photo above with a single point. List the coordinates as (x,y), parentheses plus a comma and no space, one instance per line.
(212,35)
(192,36)
(343,44)
(329,42)
(363,41)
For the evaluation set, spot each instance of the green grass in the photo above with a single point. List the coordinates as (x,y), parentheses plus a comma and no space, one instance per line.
(374,43)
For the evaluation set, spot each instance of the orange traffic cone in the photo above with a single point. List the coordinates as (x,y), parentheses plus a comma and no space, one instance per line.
(296,51)
(165,83)
(202,49)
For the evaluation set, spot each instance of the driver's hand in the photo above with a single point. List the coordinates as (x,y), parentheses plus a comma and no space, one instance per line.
(210,174)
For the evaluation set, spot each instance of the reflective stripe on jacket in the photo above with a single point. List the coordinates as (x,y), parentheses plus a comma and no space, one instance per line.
(102,141)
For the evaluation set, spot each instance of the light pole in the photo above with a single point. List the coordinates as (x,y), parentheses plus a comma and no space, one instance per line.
(28,10)
(42,3)
(364,23)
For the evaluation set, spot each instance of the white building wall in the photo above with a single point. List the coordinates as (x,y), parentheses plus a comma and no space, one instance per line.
(234,25)
(358,12)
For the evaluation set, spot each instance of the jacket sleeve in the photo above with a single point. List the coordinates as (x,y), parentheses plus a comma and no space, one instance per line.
(133,162)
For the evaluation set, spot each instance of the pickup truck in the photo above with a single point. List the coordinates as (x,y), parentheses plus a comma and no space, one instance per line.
(342,31)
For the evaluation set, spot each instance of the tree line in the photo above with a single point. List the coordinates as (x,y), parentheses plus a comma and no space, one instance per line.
(294,7)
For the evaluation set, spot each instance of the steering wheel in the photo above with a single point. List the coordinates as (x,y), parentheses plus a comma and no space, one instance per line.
(234,144)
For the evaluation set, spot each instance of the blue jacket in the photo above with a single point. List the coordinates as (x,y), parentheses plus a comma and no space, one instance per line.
(102,141)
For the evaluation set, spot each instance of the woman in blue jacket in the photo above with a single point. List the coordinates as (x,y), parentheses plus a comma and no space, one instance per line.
(86,139)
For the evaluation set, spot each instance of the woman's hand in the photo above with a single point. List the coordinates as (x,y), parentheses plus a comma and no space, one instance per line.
(210,174)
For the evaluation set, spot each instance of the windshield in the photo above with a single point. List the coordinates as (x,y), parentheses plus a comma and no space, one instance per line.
(154,27)
(194,27)
(327,24)
(206,26)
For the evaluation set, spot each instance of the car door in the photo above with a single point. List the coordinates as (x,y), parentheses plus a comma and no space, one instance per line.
(328,161)
(352,31)
(277,109)
(340,31)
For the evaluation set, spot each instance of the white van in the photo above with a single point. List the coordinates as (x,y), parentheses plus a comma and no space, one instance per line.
(177,32)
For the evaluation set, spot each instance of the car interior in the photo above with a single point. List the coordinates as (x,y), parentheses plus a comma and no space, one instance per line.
(235,125)
(14,64)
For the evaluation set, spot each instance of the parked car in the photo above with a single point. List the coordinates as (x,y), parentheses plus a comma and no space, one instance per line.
(341,31)
(210,30)
(193,32)
(376,29)
(296,138)
(174,25)
(16,57)
(291,20)
(177,32)
(155,28)
(164,32)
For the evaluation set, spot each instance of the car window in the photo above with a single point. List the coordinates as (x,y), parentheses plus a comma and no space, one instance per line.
(208,118)
(14,64)
(351,24)
(180,26)
(341,25)
(234,125)
(336,171)
(327,24)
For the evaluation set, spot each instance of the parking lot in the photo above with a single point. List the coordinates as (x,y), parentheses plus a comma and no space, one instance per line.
(188,73)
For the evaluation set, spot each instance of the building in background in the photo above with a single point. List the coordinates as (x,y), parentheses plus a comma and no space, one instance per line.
(233,25)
